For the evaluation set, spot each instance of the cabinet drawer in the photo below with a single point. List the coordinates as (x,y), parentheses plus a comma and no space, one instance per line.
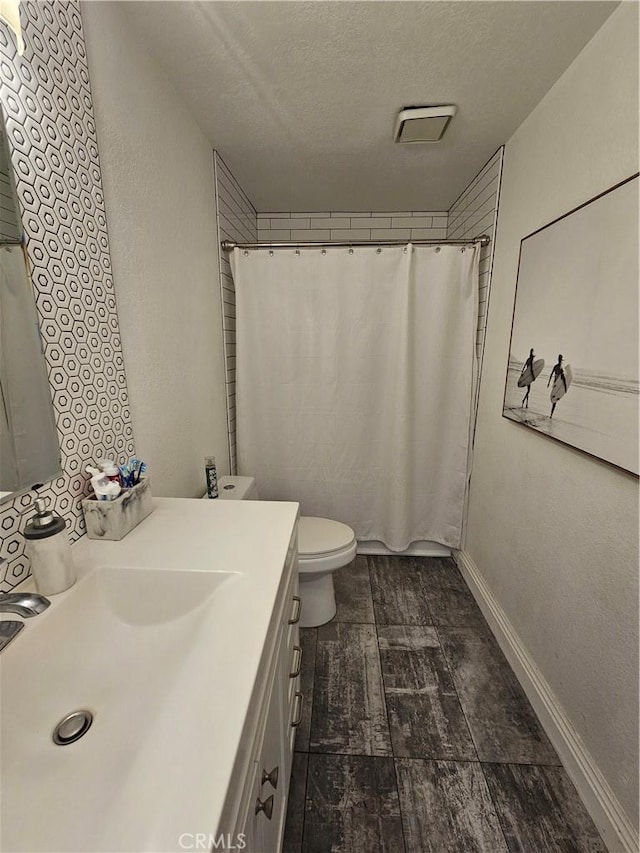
(263,808)
(262,804)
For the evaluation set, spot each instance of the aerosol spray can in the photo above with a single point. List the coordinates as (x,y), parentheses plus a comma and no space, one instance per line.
(211,476)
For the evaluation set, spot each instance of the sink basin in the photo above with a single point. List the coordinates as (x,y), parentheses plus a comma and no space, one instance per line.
(129,645)
(148,597)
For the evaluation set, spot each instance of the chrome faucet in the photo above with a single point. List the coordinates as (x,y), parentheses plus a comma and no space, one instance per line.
(25,604)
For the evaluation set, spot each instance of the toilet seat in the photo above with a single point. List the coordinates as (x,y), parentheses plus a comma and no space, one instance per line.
(324,545)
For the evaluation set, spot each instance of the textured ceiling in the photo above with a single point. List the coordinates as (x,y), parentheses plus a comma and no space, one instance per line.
(300,97)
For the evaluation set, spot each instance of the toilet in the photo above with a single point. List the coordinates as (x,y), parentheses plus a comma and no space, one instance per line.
(323,546)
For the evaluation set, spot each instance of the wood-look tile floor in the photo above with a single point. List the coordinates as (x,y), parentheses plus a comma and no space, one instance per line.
(416,735)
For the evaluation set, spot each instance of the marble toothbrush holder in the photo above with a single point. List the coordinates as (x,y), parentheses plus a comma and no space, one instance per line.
(114,519)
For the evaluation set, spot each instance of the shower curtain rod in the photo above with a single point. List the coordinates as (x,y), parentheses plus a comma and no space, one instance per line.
(230,245)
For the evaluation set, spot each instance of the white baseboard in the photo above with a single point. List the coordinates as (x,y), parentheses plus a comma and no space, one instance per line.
(616,829)
(422,548)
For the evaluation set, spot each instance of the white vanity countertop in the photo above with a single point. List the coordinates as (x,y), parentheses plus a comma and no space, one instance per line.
(173,779)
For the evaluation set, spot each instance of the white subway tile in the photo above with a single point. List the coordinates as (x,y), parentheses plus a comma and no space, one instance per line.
(477,190)
(479,223)
(313,234)
(411,222)
(425,234)
(390,233)
(274,215)
(297,222)
(456,233)
(330,223)
(422,222)
(272,235)
(349,234)
(315,214)
(372,222)
(279,223)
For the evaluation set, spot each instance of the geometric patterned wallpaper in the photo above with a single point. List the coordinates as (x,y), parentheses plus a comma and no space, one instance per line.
(45,98)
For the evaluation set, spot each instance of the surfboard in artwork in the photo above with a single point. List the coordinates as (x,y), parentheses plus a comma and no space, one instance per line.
(528,376)
(558,390)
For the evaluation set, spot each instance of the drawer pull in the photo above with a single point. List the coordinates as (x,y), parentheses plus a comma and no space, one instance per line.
(266,806)
(297,610)
(297,662)
(271,778)
(297,714)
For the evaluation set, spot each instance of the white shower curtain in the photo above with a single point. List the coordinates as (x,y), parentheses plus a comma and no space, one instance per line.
(355,374)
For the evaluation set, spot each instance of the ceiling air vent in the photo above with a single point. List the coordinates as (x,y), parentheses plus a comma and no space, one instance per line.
(423,124)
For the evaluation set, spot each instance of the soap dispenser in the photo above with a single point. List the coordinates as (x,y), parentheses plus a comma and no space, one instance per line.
(49,550)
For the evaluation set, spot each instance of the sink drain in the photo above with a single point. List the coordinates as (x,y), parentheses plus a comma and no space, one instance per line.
(72,727)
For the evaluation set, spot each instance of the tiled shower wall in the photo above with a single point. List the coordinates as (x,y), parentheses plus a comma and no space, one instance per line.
(237,220)
(294,227)
(46,101)
(475,212)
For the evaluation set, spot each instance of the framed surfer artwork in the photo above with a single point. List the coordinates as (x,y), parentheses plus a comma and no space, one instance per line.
(573,359)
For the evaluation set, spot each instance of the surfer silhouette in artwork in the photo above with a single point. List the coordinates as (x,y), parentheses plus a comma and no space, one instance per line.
(556,374)
(528,365)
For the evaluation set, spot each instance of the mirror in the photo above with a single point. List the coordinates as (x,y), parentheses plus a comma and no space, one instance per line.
(29,451)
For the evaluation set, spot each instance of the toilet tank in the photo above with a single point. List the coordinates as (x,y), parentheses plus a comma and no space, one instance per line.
(237,489)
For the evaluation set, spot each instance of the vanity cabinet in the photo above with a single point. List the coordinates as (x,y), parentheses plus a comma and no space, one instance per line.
(256,804)
(183,640)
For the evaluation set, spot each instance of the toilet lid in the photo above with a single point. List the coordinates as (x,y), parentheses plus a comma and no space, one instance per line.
(322,536)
